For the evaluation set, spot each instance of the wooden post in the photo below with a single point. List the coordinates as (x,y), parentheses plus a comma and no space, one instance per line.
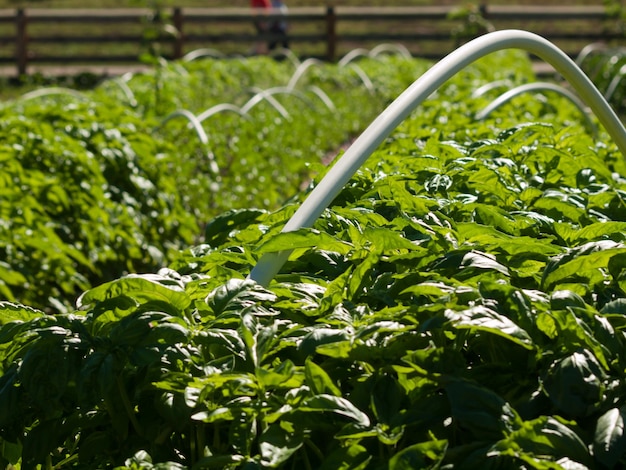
(21,45)
(179,39)
(331,34)
(483,9)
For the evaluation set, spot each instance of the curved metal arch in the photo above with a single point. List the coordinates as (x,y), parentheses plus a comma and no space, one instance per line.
(486,88)
(283,90)
(328,188)
(539,86)
(300,70)
(588,50)
(197,126)
(614,83)
(353,55)
(261,95)
(321,94)
(287,53)
(51,91)
(178,68)
(399,49)
(193,120)
(127,77)
(123,86)
(220,108)
(607,60)
(201,53)
(365,79)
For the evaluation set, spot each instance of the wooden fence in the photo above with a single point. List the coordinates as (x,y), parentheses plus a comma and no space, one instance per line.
(120,36)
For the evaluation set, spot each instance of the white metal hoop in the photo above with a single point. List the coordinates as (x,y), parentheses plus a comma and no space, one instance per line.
(328,188)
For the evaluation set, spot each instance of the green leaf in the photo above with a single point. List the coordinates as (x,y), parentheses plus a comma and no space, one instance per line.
(96,444)
(438,183)
(384,240)
(616,307)
(339,350)
(304,238)
(140,289)
(580,263)
(430,290)
(548,438)
(319,336)
(284,376)
(387,398)
(237,295)
(575,384)
(10,398)
(216,415)
(44,372)
(318,379)
(259,339)
(500,219)
(148,329)
(351,457)
(609,441)
(558,209)
(593,232)
(576,331)
(462,264)
(360,277)
(11,452)
(40,442)
(561,299)
(336,405)
(219,461)
(425,455)
(499,242)
(10,312)
(480,412)
(220,228)
(479,260)
(277,445)
(485,319)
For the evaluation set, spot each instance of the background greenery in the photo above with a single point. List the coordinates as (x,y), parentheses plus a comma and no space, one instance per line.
(459,305)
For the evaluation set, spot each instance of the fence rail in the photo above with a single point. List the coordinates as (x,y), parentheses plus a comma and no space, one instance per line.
(95,36)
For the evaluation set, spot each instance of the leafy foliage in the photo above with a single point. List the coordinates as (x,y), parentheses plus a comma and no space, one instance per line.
(604,64)
(95,185)
(459,305)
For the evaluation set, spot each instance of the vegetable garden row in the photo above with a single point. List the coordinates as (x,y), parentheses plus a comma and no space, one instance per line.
(460,304)
(99,184)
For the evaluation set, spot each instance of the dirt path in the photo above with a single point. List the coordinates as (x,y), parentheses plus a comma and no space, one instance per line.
(106,70)
(541,69)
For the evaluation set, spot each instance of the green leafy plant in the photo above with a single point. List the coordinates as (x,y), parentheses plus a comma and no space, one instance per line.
(95,187)
(459,305)
(473,22)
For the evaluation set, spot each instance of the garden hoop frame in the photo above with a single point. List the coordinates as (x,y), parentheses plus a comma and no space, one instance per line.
(323,194)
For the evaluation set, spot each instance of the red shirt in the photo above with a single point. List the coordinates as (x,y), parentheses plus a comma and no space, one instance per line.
(260,4)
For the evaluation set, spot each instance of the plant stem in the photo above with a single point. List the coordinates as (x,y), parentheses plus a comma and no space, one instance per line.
(128,406)
(200,440)
(66,461)
(307,463)
(315,449)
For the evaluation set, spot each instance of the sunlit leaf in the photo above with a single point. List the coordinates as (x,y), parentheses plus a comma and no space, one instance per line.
(426,455)
(304,238)
(336,405)
(485,319)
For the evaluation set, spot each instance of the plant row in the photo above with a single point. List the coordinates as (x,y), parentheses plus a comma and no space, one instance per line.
(606,67)
(459,305)
(98,184)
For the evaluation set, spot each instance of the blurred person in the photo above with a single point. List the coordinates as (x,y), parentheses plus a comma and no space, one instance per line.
(260,9)
(278,26)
